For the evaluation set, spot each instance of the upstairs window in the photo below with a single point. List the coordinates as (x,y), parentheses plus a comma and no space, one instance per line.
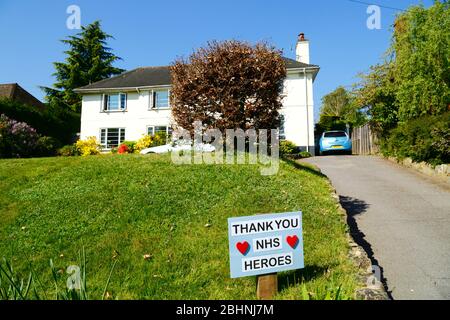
(160,99)
(115,102)
(112,137)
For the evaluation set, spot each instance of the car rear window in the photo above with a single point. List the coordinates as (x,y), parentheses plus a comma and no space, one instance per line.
(335,134)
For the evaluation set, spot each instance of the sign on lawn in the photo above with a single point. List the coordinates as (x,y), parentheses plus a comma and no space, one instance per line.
(265,244)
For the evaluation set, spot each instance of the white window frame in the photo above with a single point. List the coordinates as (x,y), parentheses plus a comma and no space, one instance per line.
(105,102)
(105,145)
(168,127)
(152,99)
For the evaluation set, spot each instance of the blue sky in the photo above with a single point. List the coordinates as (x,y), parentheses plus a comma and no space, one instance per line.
(156,32)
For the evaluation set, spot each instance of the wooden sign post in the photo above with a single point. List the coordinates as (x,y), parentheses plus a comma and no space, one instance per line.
(267,286)
(263,245)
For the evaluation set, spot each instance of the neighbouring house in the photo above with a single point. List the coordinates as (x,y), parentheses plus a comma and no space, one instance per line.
(137,102)
(15,92)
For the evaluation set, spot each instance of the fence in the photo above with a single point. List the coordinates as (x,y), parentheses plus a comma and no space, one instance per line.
(364,141)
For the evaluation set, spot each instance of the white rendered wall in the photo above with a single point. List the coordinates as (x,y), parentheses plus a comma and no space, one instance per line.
(297,111)
(135,119)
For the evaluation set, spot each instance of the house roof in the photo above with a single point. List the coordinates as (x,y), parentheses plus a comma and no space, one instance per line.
(15,92)
(160,76)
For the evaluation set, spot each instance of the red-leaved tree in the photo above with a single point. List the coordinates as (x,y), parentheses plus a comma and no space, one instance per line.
(228,85)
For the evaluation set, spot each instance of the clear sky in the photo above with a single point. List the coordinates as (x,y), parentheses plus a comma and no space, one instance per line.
(152,33)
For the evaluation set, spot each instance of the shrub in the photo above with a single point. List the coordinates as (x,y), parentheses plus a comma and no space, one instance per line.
(130,146)
(51,121)
(88,147)
(305,154)
(17,139)
(147,141)
(287,147)
(46,146)
(68,151)
(159,139)
(143,143)
(123,148)
(423,139)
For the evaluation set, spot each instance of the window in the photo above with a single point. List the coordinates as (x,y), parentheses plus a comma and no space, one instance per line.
(160,99)
(335,134)
(152,130)
(115,102)
(112,137)
(282,134)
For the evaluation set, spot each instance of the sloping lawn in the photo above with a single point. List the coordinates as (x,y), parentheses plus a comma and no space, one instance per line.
(125,207)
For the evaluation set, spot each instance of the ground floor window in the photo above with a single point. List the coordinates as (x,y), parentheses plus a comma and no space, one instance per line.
(152,130)
(112,137)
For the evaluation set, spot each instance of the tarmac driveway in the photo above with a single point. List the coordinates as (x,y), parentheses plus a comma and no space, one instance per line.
(401,218)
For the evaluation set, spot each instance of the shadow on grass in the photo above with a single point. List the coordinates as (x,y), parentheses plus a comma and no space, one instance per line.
(305,167)
(288,279)
(355,207)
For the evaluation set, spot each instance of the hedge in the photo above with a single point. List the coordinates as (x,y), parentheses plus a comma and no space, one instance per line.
(59,124)
(422,139)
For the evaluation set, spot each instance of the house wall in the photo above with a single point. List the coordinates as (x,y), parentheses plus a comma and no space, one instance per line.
(298,113)
(135,119)
(137,116)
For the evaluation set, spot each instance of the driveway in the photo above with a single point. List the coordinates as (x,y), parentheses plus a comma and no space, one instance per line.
(401,218)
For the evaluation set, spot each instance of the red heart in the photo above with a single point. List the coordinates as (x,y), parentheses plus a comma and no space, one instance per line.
(292,241)
(242,247)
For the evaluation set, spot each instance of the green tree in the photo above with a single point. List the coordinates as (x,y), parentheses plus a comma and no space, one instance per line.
(375,94)
(339,109)
(421,45)
(88,60)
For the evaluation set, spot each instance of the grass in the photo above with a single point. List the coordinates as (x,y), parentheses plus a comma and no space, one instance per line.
(120,208)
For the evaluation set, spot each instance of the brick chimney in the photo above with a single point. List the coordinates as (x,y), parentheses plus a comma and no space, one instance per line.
(302,49)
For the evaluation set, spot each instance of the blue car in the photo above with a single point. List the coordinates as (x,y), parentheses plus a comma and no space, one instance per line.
(335,141)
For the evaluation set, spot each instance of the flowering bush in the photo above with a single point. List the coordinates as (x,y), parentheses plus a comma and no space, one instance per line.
(123,148)
(17,139)
(143,143)
(88,147)
(126,147)
(147,141)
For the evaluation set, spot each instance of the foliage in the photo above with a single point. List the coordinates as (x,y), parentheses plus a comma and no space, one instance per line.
(228,85)
(88,147)
(339,110)
(46,147)
(18,140)
(143,143)
(287,147)
(59,124)
(305,154)
(377,95)
(421,43)
(148,141)
(130,147)
(128,207)
(89,60)
(422,139)
(413,83)
(68,151)
(123,149)
(12,287)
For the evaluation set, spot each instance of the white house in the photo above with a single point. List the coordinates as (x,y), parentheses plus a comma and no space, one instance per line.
(137,102)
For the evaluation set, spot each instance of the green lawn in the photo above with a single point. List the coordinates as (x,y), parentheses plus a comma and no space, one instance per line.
(124,207)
